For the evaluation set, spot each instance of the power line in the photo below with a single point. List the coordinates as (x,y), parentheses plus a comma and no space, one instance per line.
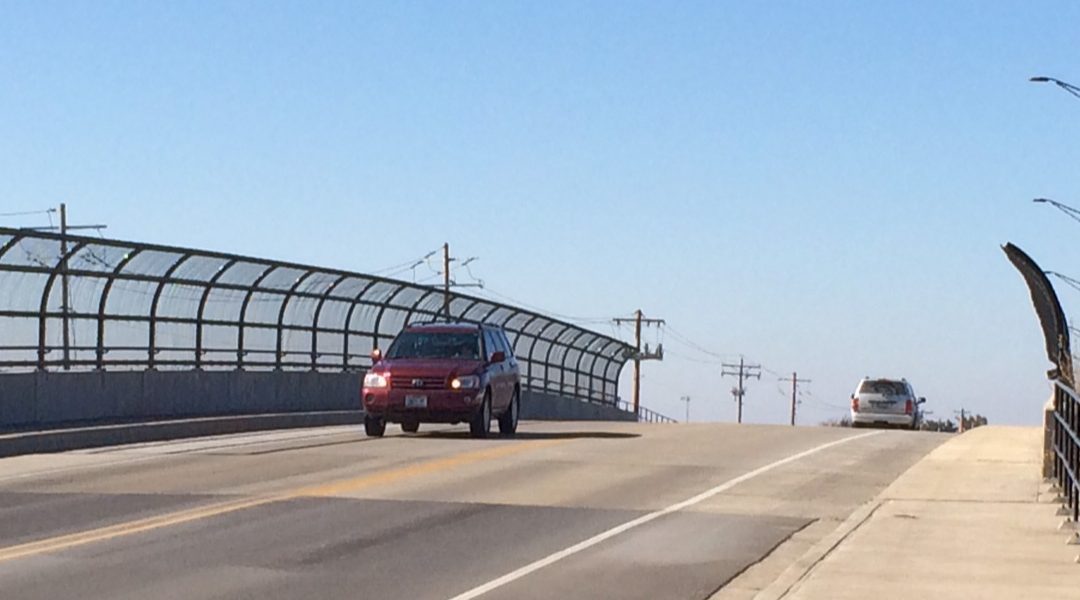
(400,268)
(692,344)
(573,319)
(27,213)
(703,361)
(771,372)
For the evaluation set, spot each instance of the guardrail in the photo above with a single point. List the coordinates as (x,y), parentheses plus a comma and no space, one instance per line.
(1064,432)
(645,415)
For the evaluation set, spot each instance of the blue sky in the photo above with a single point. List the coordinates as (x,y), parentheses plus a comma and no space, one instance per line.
(822,187)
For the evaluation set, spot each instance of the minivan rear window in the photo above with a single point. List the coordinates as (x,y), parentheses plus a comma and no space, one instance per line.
(417,344)
(883,386)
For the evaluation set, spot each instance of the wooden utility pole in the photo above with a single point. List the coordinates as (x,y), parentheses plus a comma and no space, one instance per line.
(637,360)
(65,300)
(686,399)
(795,381)
(639,320)
(446,279)
(743,372)
(64,286)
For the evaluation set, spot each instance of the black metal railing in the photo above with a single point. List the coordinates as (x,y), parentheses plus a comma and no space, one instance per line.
(1064,431)
(645,415)
(80,303)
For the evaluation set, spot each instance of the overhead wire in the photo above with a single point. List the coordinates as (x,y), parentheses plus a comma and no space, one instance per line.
(541,310)
(771,372)
(692,359)
(691,343)
(27,213)
(405,266)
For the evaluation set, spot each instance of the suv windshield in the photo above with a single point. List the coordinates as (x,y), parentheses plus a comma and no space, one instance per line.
(884,387)
(415,344)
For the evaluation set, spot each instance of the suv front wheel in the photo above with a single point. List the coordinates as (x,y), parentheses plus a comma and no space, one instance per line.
(374,426)
(480,425)
(508,421)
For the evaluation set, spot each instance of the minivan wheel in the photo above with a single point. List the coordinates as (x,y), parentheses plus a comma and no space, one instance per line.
(480,425)
(374,426)
(508,421)
(410,426)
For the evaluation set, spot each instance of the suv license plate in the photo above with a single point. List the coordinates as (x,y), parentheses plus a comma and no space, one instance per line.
(415,401)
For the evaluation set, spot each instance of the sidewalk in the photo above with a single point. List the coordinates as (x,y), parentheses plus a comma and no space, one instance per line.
(971,520)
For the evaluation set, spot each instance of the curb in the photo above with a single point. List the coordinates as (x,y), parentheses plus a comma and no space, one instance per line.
(794,575)
(61,440)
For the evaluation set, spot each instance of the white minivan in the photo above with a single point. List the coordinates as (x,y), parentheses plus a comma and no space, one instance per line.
(885,403)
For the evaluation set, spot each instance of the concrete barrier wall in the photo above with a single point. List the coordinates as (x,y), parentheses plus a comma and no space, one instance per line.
(549,407)
(42,400)
(46,399)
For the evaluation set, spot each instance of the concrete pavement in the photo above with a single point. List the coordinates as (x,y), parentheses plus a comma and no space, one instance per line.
(570,510)
(971,520)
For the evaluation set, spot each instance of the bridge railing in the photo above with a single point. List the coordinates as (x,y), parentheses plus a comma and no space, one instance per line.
(71,303)
(645,415)
(1064,442)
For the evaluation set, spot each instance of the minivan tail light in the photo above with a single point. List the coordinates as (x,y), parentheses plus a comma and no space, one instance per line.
(909,407)
(855,404)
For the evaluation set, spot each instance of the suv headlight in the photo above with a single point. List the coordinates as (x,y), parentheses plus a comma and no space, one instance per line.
(465,382)
(376,380)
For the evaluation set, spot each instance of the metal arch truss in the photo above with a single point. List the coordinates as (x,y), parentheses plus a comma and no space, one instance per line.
(134,306)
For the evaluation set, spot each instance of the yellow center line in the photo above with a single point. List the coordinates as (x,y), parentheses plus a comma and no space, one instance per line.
(334,488)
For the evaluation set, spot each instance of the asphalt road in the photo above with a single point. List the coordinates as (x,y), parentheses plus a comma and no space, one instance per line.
(565,510)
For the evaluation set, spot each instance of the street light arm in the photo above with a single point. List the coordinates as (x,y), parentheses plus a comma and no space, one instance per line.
(1068,87)
(1065,208)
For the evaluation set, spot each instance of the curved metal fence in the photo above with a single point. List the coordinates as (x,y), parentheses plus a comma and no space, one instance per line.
(81,303)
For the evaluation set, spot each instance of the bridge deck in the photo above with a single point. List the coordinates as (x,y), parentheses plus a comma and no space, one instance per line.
(568,510)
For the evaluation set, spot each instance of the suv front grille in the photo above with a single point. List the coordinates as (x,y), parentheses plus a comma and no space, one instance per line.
(404,382)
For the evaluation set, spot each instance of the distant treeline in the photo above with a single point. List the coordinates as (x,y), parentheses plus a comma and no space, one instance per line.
(943,425)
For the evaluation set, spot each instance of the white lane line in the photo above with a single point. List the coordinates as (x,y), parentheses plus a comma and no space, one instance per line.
(618,529)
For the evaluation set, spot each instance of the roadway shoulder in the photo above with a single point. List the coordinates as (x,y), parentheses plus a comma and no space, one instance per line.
(967,521)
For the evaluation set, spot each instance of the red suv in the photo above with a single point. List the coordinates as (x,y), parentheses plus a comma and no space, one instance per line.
(444,373)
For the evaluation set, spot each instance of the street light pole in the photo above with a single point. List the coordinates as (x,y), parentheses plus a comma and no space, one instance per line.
(686,399)
(1068,87)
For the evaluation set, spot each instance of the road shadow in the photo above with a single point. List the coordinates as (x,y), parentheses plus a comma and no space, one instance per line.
(533,435)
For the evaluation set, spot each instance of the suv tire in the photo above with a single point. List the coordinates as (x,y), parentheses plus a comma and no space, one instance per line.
(374,426)
(480,425)
(410,426)
(508,421)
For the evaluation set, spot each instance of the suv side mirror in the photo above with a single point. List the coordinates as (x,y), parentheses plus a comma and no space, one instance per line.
(376,355)
(498,357)
(921,401)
